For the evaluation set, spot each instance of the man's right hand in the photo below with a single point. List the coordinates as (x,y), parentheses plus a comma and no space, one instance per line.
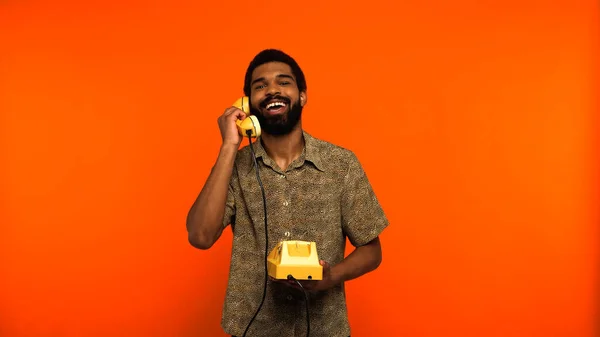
(229,131)
(204,222)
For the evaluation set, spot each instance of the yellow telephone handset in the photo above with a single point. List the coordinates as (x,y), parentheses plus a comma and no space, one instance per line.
(248,123)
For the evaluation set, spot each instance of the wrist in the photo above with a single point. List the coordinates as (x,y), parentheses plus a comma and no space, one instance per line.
(336,275)
(226,155)
(229,148)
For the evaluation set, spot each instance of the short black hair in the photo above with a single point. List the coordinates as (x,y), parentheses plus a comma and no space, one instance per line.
(274,55)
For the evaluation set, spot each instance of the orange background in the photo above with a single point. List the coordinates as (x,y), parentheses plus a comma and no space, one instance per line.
(475,123)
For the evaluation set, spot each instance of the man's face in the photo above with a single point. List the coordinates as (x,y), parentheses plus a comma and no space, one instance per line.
(275,99)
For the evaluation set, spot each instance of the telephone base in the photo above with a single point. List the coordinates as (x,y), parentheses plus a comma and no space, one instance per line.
(296,258)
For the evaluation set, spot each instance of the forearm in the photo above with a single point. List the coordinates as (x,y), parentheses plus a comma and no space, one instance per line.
(362,260)
(205,218)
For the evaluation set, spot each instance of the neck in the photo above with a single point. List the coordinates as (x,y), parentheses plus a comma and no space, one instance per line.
(284,149)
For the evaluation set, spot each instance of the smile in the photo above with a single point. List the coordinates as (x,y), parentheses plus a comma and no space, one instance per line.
(275,105)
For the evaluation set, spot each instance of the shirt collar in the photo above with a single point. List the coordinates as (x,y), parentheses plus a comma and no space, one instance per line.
(310,151)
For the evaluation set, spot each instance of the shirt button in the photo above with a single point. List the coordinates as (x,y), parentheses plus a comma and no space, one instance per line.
(285,203)
(282,176)
(289,297)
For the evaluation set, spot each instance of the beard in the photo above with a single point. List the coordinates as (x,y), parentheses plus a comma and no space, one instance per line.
(279,125)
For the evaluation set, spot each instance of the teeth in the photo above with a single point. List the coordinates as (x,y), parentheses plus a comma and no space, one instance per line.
(270,105)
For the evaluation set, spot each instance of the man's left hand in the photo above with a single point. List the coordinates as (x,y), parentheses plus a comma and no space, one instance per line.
(328,280)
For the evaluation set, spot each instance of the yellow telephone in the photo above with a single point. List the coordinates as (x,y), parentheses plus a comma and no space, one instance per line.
(248,123)
(296,258)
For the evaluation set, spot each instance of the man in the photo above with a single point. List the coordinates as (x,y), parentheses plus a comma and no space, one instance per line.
(315,191)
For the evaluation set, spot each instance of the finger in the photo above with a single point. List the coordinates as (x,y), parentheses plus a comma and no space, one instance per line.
(239,114)
(288,283)
(307,284)
(230,110)
(295,283)
(234,115)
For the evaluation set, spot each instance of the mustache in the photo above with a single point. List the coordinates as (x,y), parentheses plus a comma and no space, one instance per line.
(269,99)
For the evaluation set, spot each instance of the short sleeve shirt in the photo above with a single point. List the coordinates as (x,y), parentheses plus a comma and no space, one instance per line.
(325,197)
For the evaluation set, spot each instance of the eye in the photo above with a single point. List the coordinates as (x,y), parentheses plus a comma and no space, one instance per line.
(284,82)
(258,87)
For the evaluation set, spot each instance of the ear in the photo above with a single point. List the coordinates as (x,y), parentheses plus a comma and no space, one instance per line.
(303,98)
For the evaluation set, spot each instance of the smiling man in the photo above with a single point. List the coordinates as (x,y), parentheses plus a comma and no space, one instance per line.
(315,191)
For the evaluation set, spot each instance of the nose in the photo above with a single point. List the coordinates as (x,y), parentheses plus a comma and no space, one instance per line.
(273,89)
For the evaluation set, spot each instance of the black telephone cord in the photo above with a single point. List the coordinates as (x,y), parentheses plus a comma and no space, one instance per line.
(262,189)
(290,277)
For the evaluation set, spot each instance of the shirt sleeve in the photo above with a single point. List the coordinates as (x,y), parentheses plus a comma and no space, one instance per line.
(363,218)
(229,214)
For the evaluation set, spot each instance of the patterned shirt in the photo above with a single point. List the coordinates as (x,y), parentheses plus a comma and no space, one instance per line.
(324,196)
